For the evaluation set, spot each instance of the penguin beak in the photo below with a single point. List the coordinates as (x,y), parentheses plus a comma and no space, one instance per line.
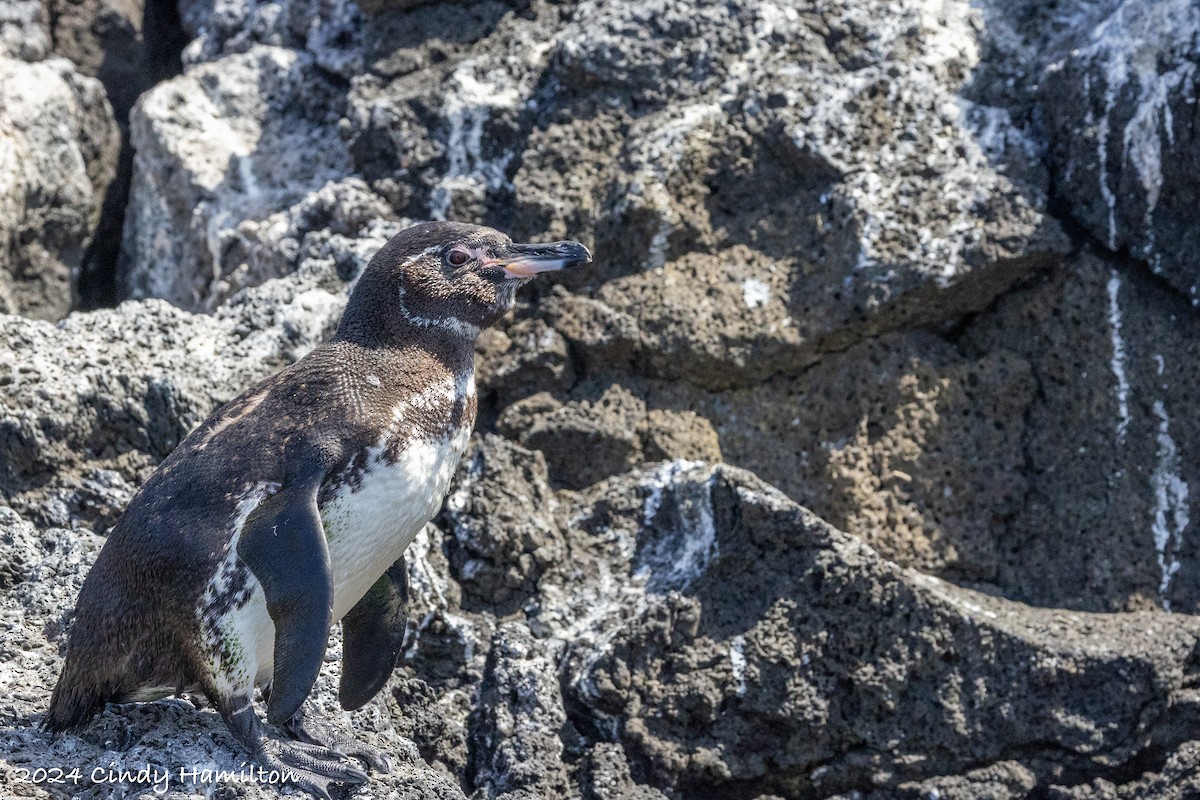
(527,260)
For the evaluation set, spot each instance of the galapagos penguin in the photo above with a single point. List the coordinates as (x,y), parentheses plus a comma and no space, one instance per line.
(290,508)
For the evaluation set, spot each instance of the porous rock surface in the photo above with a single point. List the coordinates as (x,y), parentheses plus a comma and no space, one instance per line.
(859,464)
(112,392)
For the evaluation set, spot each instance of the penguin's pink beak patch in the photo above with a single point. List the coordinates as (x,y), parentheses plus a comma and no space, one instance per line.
(527,260)
(527,268)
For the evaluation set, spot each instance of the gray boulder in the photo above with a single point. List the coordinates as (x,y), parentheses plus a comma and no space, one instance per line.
(234,164)
(59,153)
(749,212)
(748,643)
(24,30)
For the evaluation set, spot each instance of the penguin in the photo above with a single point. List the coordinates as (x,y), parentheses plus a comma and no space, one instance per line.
(290,508)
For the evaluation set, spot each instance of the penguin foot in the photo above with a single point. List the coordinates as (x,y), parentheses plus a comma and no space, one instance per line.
(306,730)
(311,767)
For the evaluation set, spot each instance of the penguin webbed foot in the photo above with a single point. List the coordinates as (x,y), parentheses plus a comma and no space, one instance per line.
(308,766)
(306,730)
(311,767)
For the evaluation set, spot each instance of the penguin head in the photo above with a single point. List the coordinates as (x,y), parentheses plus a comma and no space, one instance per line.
(450,275)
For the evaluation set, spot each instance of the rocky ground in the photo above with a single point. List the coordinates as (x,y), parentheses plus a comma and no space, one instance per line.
(857,465)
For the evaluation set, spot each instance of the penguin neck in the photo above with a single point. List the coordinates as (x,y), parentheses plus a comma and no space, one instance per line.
(449,342)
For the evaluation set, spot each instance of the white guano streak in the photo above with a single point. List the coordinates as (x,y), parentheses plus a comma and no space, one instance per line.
(685,546)
(737,661)
(470,100)
(755,293)
(1170,504)
(687,543)
(1118,357)
(1170,489)
(1127,46)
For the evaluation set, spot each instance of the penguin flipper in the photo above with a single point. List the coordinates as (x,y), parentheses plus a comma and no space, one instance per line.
(283,544)
(372,634)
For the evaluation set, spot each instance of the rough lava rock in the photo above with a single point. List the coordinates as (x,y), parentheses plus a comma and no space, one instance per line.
(118,389)
(752,644)
(504,528)
(1112,352)
(604,424)
(58,151)
(799,180)
(25,30)
(226,157)
(518,748)
(1119,92)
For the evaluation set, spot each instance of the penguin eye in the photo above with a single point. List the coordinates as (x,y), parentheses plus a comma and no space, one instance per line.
(457,257)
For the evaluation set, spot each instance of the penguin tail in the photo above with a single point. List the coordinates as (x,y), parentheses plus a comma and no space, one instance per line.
(75,700)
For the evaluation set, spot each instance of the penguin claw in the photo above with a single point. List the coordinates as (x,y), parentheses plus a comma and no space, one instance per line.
(372,757)
(312,783)
(304,731)
(317,751)
(318,760)
(315,786)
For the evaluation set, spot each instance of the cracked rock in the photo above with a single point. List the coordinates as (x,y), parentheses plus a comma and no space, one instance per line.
(1118,88)
(517,748)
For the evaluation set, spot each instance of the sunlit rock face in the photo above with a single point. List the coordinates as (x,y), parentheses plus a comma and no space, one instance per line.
(58,150)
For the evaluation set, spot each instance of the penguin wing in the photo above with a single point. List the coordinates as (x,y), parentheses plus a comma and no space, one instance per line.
(283,544)
(372,634)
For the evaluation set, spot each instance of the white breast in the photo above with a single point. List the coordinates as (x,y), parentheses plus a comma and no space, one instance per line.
(366,529)
(369,529)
